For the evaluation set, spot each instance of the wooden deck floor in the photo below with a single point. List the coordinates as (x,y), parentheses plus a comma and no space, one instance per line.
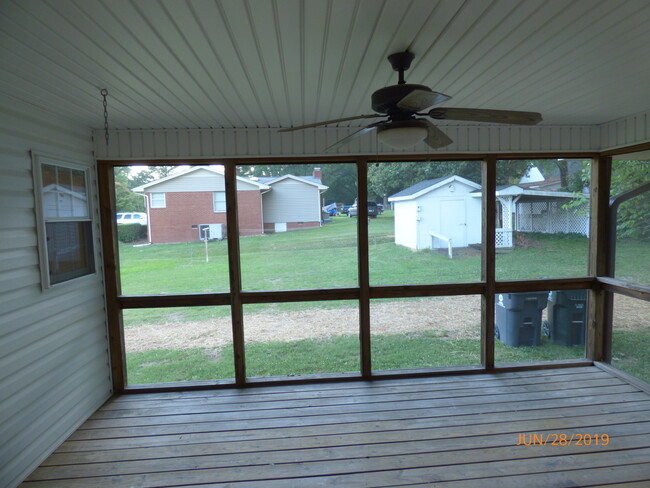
(456,431)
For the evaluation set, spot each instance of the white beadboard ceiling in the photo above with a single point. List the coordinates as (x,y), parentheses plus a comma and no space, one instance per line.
(278,63)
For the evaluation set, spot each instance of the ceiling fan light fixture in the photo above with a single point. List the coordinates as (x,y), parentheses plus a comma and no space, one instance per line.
(403,134)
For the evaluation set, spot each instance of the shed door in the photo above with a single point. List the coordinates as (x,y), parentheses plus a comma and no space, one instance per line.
(453,221)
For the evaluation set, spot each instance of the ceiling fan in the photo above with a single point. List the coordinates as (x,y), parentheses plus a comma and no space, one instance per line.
(405,124)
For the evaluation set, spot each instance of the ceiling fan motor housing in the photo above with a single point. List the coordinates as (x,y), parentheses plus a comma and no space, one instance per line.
(385,99)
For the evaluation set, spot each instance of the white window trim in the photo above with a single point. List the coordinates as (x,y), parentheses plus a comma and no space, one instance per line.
(39,159)
(151,205)
(214,202)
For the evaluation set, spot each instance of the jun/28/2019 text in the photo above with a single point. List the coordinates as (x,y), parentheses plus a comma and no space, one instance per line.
(560,439)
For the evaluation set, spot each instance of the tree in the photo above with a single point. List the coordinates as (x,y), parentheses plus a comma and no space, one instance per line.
(342,182)
(633,215)
(386,179)
(126,179)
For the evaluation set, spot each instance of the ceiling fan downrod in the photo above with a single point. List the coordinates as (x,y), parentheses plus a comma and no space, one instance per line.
(400,63)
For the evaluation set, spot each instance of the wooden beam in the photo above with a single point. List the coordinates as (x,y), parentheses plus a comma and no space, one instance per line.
(364,268)
(545,284)
(488,260)
(633,290)
(271,296)
(434,290)
(112,287)
(234,269)
(180,300)
(600,303)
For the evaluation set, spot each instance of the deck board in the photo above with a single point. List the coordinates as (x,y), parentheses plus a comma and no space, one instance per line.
(454,431)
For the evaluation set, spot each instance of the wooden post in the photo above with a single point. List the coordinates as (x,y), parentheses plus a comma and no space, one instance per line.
(234,268)
(364,267)
(106,190)
(205,238)
(600,305)
(489,170)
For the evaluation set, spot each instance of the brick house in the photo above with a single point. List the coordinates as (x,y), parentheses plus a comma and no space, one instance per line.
(181,206)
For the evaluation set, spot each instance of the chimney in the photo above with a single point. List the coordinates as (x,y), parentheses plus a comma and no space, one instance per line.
(318,174)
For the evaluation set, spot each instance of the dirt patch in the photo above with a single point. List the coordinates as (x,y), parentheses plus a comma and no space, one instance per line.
(453,317)
(447,316)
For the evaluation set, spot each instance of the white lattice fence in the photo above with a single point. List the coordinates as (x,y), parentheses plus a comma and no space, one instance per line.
(551,217)
(503,238)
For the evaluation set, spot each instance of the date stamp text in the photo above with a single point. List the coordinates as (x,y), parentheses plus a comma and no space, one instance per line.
(560,439)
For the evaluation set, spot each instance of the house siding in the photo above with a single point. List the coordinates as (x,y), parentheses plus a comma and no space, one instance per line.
(183,210)
(54,365)
(292,201)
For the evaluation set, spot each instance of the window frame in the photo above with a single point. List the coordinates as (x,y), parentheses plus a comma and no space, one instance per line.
(215,202)
(151,199)
(42,221)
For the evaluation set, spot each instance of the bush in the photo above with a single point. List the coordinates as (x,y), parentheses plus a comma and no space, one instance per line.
(131,232)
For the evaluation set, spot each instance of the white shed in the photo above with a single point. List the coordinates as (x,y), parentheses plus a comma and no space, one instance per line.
(432,213)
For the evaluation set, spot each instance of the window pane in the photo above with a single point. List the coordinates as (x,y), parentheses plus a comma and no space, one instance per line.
(158,200)
(631,336)
(48,173)
(69,250)
(219,201)
(632,261)
(287,241)
(540,326)
(431,227)
(178,344)
(425,332)
(178,260)
(543,218)
(301,338)
(61,197)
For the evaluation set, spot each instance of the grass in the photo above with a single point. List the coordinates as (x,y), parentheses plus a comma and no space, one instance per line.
(327,257)
(333,355)
(631,352)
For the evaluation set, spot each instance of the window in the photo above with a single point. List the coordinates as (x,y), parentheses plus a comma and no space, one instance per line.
(219,201)
(64,220)
(158,200)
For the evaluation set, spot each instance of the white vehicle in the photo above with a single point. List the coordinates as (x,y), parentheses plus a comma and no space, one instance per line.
(132,218)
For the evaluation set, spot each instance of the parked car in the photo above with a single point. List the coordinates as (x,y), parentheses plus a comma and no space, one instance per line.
(344,209)
(330,209)
(132,218)
(373,210)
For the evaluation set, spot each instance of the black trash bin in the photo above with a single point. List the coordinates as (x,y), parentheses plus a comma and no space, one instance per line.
(567,316)
(519,318)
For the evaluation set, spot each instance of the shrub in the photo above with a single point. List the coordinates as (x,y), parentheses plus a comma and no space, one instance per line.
(131,232)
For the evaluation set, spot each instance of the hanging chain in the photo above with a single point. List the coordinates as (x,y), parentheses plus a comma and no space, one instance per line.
(104,93)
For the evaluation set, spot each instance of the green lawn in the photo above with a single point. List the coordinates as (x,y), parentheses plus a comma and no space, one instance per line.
(333,355)
(327,257)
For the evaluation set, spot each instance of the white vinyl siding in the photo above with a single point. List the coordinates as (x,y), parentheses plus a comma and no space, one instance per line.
(219,201)
(54,366)
(292,201)
(199,181)
(158,200)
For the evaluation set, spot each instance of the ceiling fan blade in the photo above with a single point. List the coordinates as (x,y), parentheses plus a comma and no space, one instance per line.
(435,137)
(486,115)
(353,136)
(333,121)
(420,99)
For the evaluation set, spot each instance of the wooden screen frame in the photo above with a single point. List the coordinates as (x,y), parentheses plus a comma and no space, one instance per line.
(600,287)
